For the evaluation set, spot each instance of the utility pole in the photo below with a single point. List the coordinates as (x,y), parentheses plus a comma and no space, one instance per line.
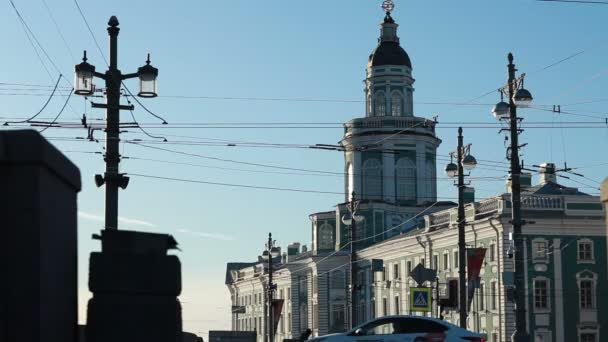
(520,334)
(503,111)
(353,265)
(464,160)
(270,252)
(462,291)
(113,80)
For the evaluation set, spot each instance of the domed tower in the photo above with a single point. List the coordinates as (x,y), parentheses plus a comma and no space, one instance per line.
(390,154)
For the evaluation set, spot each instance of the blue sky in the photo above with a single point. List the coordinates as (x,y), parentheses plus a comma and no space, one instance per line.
(296,49)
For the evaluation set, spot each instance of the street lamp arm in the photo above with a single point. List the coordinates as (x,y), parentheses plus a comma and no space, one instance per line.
(100,75)
(132,75)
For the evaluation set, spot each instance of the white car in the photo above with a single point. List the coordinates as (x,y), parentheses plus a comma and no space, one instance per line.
(404,329)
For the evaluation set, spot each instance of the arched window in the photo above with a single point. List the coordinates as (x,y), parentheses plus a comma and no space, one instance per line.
(350,181)
(405,171)
(430,183)
(396,104)
(326,237)
(380,104)
(372,179)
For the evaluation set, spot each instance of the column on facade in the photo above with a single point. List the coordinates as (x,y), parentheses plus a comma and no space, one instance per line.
(421,177)
(388,174)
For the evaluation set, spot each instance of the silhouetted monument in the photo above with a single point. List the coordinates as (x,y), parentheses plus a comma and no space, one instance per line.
(135,285)
(38,258)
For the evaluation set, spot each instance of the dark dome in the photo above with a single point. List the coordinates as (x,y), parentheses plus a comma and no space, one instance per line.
(389,53)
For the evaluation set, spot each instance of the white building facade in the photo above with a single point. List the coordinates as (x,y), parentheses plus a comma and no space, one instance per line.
(390,165)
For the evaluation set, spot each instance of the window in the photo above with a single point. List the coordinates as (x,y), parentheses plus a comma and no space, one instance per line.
(383,273)
(435,262)
(446,261)
(586,294)
(405,171)
(384,306)
(338,321)
(350,182)
(372,178)
(396,271)
(373,305)
(396,104)
(494,295)
(380,104)
(422,262)
(397,306)
(495,337)
(288,322)
(539,249)
(326,236)
(289,293)
(430,181)
(409,267)
(482,296)
(456,259)
(587,337)
(540,294)
(417,326)
(492,252)
(585,250)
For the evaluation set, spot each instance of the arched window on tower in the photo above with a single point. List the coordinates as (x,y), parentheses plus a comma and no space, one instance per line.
(430,180)
(372,179)
(405,172)
(380,104)
(350,181)
(396,104)
(326,236)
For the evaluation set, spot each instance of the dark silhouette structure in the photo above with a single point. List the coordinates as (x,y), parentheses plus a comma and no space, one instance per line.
(135,285)
(38,258)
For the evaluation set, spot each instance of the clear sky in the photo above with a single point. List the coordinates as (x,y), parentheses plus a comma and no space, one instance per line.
(309,49)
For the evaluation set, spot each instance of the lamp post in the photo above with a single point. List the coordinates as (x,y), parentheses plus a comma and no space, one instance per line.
(83,85)
(518,97)
(351,219)
(464,160)
(269,253)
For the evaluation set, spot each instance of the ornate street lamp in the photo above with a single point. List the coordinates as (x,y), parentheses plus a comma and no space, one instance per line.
(83,77)
(148,86)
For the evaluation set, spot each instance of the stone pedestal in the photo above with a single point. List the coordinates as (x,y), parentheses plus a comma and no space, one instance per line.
(38,257)
(135,285)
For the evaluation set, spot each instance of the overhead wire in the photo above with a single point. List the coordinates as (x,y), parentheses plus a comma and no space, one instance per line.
(41,109)
(58,114)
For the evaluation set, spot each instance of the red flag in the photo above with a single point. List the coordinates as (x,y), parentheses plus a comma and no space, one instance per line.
(277,308)
(475,258)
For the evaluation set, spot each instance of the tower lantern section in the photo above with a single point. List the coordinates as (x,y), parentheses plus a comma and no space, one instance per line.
(390,154)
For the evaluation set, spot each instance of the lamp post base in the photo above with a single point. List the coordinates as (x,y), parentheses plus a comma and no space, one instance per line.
(520,336)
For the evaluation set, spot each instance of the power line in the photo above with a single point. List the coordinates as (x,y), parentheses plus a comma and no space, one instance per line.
(91,32)
(578,1)
(237,185)
(58,114)
(48,10)
(43,106)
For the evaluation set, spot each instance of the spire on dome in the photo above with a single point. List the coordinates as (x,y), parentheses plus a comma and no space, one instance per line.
(389,52)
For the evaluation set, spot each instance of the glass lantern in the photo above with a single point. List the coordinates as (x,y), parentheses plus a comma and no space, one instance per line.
(469,162)
(148,86)
(83,78)
(522,98)
(501,110)
(451,170)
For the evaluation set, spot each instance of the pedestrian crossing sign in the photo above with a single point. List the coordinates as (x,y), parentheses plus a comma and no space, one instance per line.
(420,299)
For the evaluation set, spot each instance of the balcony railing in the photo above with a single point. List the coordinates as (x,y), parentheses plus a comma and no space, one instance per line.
(389,122)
